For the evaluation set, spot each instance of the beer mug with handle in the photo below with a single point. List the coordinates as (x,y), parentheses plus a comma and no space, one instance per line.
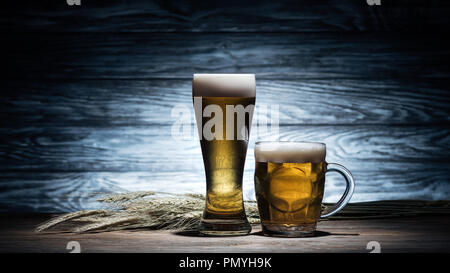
(289,187)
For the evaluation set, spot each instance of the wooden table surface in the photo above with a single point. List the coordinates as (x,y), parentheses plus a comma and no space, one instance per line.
(405,234)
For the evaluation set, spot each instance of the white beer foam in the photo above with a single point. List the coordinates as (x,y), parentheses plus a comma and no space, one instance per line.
(224,85)
(293,152)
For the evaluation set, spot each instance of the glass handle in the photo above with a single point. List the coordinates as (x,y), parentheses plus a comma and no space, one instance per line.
(333,167)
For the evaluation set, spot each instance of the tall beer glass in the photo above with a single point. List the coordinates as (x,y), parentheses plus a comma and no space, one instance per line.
(224,105)
(289,186)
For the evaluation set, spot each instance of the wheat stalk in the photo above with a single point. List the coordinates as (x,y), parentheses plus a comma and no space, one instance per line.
(139,210)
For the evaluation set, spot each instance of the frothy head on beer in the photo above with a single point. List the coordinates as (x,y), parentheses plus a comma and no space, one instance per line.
(290,152)
(224,85)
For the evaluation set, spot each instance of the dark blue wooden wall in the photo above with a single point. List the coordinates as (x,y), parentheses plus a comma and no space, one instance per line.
(88,93)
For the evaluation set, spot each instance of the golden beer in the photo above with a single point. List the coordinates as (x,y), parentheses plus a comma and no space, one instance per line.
(289,194)
(289,186)
(224,135)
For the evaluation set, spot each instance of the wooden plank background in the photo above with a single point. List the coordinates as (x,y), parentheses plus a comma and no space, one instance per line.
(89,90)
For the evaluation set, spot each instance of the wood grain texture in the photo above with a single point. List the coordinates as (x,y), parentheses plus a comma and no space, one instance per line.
(412,234)
(179,55)
(154,148)
(104,103)
(89,92)
(72,191)
(63,168)
(225,16)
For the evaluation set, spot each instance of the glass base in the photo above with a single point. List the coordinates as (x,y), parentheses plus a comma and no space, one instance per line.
(303,230)
(224,227)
